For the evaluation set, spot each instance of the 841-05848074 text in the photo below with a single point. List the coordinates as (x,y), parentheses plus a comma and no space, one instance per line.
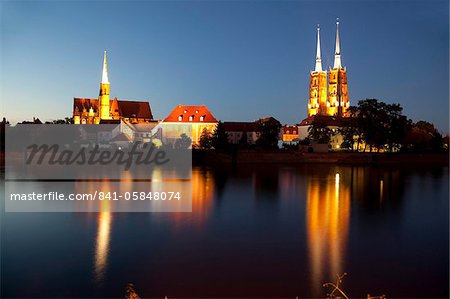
(151,195)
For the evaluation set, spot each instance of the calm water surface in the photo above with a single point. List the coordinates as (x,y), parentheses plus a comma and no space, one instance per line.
(266,231)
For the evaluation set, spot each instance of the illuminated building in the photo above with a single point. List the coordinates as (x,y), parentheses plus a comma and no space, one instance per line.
(190,120)
(328,98)
(318,85)
(290,133)
(105,110)
(338,102)
(328,95)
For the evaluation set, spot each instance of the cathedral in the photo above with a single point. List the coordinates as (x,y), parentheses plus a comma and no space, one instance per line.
(328,94)
(104,110)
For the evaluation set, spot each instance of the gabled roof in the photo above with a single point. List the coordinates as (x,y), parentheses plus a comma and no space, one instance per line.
(191,114)
(126,109)
(267,118)
(80,104)
(134,109)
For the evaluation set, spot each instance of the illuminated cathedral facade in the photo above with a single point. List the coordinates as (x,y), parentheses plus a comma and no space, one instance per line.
(328,91)
(104,110)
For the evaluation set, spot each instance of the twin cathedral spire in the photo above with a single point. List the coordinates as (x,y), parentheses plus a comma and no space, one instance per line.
(331,101)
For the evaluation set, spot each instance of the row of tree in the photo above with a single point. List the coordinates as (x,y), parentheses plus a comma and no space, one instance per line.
(379,126)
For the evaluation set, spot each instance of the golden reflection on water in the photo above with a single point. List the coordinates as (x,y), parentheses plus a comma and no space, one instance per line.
(203,189)
(102,245)
(327,223)
(202,194)
(103,236)
(104,221)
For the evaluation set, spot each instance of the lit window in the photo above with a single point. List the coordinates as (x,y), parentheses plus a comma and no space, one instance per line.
(191,118)
(202,118)
(180,118)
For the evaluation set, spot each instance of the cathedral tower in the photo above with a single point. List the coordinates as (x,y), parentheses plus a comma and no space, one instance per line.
(337,103)
(103,96)
(317,85)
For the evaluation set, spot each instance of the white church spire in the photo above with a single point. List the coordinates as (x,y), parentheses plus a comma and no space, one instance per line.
(318,67)
(105,70)
(337,54)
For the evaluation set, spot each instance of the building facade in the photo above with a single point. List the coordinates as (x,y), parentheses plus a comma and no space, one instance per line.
(244,133)
(317,85)
(189,120)
(328,92)
(104,110)
(290,133)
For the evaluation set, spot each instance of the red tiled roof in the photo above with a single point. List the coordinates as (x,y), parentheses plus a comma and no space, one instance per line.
(80,104)
(239,126)
(194,114)
(134,109)
(126,109)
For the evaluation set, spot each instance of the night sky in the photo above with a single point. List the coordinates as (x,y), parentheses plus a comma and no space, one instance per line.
(243,59)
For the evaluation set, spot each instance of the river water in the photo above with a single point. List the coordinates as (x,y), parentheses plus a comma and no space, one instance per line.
(260,231)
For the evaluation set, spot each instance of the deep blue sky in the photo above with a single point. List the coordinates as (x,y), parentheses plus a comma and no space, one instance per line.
(243,59)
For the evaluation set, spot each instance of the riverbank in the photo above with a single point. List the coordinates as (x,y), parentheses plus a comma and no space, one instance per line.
(204,157)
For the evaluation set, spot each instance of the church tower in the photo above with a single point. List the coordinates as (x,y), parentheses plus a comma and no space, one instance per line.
(337,103)
(317,85)
(103,96)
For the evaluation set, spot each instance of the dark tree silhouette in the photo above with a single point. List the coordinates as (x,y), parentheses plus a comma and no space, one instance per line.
(184,142)
(319,131)
(220,137)
(269,131)
(423,136)
(379,124)
(205,141)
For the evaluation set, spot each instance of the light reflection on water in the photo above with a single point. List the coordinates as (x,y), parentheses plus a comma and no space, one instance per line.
(327,224)
(102,245)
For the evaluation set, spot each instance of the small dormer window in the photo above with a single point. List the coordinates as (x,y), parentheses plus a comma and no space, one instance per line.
(202,118)
(180,118)
(196,111)
(191,118)
(185,111)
